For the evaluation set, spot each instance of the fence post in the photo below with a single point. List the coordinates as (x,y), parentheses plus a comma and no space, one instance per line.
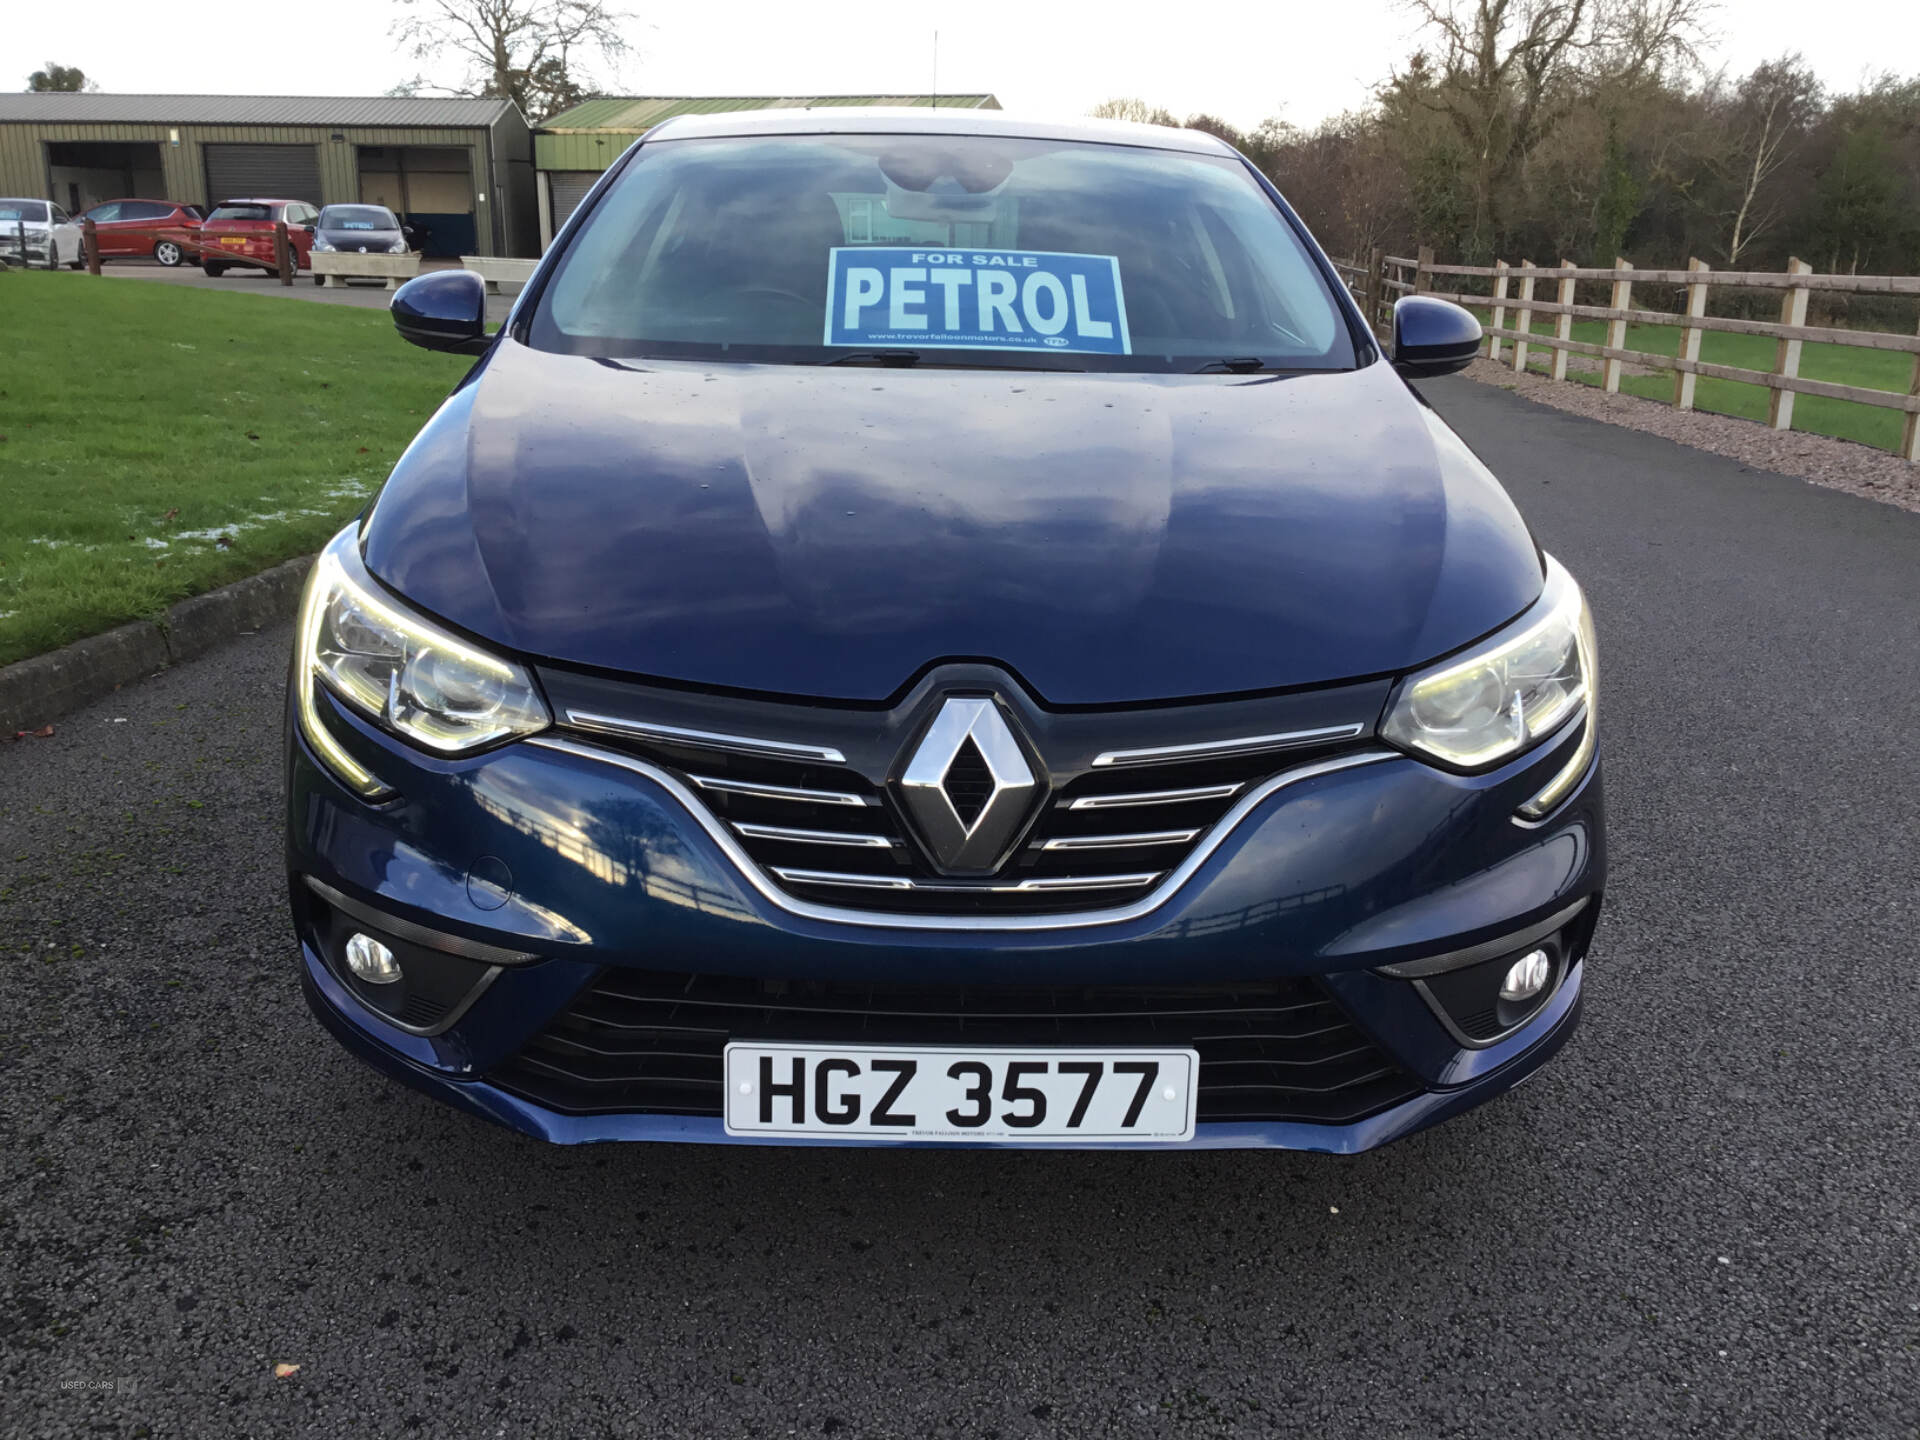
(282,252)
(90,244)
(1525,323)
(1563,323)
(1376,271)
(1910,437)
(1499,308)
(1690,335)
(1786,363)
(21,226)
(1621,299)
(1423,270)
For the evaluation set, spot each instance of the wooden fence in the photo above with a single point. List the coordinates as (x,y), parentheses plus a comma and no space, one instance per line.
(1514,291)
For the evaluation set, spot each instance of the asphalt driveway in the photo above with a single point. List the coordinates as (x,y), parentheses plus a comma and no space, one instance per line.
(1702,1219)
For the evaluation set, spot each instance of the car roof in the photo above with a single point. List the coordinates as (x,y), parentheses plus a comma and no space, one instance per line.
(882,120)
(257,200)
(138,200)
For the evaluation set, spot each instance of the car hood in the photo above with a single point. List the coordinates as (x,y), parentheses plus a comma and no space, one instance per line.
(832,531)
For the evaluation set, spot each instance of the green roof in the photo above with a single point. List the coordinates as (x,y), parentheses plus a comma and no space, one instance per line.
(629,115)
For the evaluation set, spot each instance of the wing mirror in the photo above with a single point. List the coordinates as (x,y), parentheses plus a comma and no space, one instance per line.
(443,310)
(1432,337)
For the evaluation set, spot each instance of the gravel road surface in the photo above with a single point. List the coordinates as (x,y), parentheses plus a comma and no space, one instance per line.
(1700,1220)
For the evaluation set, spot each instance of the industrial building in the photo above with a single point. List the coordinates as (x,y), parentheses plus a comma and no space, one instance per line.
(571,150)
(460,171)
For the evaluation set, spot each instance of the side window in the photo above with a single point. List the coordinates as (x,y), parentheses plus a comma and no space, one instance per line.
(59,216)
(142,210)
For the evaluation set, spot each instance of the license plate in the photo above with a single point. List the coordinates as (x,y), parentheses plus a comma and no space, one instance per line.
(232,240)
(963,1094)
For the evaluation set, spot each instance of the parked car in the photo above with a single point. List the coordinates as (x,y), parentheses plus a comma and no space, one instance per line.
(38,232)
(932,627)
(240,232)
(164,229)
(362,229)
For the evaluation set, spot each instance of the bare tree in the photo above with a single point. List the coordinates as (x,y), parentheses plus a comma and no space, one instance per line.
(1125,107)
(1770,115)
(526,51)
(1510,70)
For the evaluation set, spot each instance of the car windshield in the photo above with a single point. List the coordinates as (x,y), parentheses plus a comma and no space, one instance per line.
(942,249)
(15,210)
(357,217)
(242,212)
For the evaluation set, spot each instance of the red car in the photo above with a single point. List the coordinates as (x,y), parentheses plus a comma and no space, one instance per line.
(240,232)
(167,231)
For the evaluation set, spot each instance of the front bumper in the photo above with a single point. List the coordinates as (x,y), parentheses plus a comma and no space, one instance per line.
(37,252)
(591,870)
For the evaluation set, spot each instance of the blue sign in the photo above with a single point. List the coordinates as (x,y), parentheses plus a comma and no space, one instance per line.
(961,299)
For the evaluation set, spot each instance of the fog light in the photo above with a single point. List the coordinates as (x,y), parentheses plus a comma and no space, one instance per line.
(1526,977)
(374,962)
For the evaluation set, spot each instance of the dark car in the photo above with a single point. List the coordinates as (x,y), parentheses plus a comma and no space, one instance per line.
(241,232)
(135,229)
(925,627)
(360,229)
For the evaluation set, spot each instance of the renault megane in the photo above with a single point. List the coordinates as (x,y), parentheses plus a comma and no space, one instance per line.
(923,627)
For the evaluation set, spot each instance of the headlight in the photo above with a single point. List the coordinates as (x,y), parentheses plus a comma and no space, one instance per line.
(399,247)
(1508,694)
(403,672)
(321,245)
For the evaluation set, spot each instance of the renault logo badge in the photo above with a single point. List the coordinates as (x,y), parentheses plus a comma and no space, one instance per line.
(968,786)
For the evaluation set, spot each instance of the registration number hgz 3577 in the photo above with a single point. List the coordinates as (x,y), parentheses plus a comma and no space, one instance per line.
(963,1094)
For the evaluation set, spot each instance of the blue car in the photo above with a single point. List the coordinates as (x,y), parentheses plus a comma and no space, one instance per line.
(926,628)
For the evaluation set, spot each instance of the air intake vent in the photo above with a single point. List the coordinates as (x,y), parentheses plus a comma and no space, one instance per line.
(646,1041)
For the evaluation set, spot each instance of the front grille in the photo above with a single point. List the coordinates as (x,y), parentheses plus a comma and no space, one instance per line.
(646,1041)
(817,793)
(827,834)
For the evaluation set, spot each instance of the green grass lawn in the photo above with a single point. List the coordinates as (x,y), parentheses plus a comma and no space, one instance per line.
(157,441)
(1840,364)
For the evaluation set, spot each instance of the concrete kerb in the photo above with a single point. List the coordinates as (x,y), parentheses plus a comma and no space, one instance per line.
(39,690)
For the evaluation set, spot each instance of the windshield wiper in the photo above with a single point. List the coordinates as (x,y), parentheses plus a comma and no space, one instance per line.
(894,359)
(903,359)
(1235,365)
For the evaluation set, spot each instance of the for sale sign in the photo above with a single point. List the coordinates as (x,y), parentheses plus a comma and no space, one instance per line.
(965,299)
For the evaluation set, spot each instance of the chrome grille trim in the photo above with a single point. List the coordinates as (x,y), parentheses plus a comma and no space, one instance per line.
(759,791)
(1220,749)
(758,879)
(704,739)
(1118,842)
(1155,797)
(1023,887)
(815,837)
(851,882)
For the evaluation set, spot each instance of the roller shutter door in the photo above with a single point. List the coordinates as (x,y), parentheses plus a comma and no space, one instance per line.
(569,189)
(268,172)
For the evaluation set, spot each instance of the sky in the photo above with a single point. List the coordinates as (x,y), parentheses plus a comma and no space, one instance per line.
(1241,59)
